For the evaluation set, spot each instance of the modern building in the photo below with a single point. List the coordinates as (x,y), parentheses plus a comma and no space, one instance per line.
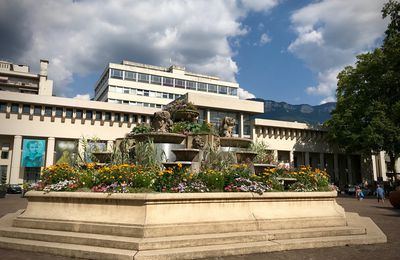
(18,78)
(52,126)
(153,86)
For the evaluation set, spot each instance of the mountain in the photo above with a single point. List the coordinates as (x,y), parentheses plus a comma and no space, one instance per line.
(301,113)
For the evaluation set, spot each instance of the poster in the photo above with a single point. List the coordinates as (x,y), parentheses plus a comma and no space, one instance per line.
(33,153)
(66,151)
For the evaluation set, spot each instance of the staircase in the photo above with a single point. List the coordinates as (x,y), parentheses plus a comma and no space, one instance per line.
(66,239)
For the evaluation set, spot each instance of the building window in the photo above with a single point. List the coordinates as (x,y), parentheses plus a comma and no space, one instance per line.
(107,116)
(233,91)
(191,85)
(129,75)
(68,113)
(145,93)
(155,80)
(4,155)
(89,114)
(212,88)
(37,110)
(119,89)
(246,125)
(126,90)
(222,90)
(168,82)
(3,107)
(98,115)
(26,109)
(59,112)
(179,83)
(48,111)
(78,114)
(117,117)
(171,96)
(126,118)
(14,108)
(112,89)
(143,77)
(116,74)
(201,86)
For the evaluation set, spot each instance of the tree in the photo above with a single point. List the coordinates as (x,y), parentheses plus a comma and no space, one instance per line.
(367,114)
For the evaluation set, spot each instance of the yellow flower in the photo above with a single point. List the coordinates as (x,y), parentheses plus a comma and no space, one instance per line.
(179,165)
(120,177)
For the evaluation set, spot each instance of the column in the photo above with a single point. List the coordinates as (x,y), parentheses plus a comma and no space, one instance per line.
(110,145)
(50,151)
(336,166)
(321,161)
(307,158)
(291,158)
(208,116)
(241,125)
(16,161)
(374,172)
(383,165)
(276,155)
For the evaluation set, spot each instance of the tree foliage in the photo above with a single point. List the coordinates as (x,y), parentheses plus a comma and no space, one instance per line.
(367,114)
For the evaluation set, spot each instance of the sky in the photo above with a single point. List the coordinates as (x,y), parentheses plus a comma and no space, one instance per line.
(281,50)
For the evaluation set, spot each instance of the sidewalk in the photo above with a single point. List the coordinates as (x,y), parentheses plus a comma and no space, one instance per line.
(384,215)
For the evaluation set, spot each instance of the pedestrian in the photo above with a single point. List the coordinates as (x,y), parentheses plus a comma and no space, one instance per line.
(359,193)
(380,194)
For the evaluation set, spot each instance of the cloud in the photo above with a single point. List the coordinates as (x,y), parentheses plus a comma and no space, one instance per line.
(82,97)
(329,35)
(81,37)
(264,39)
(244,94)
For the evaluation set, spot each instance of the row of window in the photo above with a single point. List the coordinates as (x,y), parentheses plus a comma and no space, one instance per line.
(134,103)
(143,92)
(172,82)
(69,112)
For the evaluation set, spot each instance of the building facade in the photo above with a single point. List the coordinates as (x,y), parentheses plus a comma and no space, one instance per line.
(18,78)
(153,86)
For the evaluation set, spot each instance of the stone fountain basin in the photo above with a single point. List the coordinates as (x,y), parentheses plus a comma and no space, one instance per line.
(185,154)
(160,137)
(236,142)
(245,156)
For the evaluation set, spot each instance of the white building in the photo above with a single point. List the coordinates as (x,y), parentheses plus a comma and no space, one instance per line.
(152,86)
(53,123)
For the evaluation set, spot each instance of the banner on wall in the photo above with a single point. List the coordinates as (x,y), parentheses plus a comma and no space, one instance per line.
(65,151)
(33,153)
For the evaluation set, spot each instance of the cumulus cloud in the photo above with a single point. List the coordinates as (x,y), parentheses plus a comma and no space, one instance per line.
(244,94)
(329,36)
(82,97)
(81,37)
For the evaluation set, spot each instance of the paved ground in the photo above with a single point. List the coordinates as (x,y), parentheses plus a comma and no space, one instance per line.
(384,215)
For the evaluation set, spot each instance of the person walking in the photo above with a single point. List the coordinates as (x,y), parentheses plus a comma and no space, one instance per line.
(380,194)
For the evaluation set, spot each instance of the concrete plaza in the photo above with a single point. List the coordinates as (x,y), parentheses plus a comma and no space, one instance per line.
(384,215)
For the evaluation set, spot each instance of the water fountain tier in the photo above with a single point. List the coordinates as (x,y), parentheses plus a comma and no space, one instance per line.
(189,155)
(159,137)
(234,142)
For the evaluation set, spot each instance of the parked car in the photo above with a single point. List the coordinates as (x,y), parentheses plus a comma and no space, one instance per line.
(14,188)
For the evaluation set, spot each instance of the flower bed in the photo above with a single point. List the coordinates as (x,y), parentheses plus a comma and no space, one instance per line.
(129,178)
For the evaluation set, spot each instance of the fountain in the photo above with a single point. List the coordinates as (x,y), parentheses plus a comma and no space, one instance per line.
(240,146)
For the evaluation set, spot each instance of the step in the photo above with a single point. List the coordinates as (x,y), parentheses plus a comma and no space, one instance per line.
(68,250)
(129,243)
(172,242)
(253,247)
(244,237)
